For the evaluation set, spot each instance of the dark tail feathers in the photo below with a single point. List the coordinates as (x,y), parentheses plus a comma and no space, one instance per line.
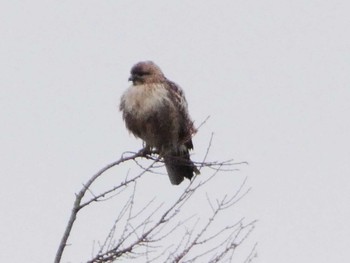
(179,165)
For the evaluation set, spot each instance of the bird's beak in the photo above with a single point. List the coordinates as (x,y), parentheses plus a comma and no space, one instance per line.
(131,78)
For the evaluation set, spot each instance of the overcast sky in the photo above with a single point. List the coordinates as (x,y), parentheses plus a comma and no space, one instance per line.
(273,76)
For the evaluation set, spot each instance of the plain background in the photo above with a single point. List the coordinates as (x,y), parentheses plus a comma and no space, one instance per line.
(273,76)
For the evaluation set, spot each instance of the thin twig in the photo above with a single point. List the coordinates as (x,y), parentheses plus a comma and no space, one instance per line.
(77,203)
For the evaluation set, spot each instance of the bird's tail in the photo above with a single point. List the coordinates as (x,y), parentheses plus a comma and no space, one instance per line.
(179,165)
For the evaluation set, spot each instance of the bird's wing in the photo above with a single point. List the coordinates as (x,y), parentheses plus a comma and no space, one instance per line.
(186,124)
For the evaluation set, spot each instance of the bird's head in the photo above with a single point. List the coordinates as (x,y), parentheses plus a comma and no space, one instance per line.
(146,72)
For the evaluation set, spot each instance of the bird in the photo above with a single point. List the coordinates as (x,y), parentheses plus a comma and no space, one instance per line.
(155,110)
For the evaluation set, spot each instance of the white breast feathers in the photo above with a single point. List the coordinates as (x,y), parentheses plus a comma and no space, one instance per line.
(141,100)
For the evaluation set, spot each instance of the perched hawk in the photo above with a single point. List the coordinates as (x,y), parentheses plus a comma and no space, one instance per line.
(155,110)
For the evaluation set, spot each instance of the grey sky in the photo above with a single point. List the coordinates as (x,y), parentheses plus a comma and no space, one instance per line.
(273,76)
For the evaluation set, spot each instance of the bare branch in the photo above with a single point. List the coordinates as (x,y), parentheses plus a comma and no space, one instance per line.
(144,230)
(78,198)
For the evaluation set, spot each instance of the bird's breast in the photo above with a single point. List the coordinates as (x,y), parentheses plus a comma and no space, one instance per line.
(143,100)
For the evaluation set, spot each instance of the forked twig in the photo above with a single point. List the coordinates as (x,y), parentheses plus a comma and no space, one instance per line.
(154,227)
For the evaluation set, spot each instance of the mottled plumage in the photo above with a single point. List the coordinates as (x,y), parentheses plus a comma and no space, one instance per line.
(155,110)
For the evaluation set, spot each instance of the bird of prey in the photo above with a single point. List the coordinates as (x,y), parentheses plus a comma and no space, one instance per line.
(155,110)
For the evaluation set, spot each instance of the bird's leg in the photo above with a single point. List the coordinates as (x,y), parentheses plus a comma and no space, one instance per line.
(146,150)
